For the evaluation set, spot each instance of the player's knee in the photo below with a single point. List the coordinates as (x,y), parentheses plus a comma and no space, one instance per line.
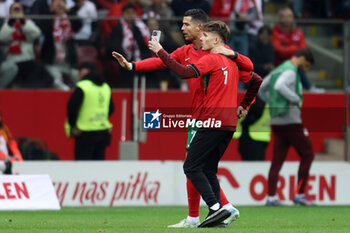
(209,173)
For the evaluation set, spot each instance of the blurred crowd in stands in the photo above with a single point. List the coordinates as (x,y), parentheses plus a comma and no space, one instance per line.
(42,42)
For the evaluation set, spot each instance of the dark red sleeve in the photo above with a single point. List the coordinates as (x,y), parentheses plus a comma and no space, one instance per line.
(181,70)
(244,63)
(253,88)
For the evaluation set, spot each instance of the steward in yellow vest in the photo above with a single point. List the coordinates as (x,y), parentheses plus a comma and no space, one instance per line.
(254,132)
(88,111)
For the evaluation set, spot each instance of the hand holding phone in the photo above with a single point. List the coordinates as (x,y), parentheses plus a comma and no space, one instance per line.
(156,34)
(154,44)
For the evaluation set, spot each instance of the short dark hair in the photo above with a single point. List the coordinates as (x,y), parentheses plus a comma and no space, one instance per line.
(128,6)
(307,54)
(197,15)
(218,27)
(265,28)
(88,65)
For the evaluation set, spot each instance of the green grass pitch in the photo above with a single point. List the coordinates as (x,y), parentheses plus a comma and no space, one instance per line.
(294,219)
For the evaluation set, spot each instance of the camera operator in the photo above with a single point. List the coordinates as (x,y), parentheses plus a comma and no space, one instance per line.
(19,34)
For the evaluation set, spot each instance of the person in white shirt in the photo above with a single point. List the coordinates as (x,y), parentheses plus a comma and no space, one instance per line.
(5,7)
(86,10)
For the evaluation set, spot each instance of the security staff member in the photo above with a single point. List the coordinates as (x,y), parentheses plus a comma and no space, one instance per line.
(254,132)
(88,110)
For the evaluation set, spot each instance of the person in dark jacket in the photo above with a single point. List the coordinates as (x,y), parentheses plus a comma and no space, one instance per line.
(89,108)
(130,37)
(255,135)
(261,52)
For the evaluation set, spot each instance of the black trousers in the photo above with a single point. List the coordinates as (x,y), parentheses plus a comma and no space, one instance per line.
(92,145)
(201,164)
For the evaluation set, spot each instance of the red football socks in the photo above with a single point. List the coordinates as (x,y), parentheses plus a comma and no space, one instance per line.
(193,198)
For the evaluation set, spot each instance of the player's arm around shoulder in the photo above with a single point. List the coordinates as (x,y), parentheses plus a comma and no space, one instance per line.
(243,62)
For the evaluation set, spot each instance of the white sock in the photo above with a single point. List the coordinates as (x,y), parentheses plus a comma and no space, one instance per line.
(193,220)
(272,198)
(215,207)
(228,206)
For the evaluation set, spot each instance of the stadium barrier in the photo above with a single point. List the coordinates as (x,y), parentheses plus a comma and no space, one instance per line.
(158,183)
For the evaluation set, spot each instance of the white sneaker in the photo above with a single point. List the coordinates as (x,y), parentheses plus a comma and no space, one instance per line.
(234,216)
(184,224)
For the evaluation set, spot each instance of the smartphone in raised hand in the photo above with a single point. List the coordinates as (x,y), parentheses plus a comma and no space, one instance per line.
(156,34)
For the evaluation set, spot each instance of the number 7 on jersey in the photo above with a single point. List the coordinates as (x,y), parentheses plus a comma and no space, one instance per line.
(225,74)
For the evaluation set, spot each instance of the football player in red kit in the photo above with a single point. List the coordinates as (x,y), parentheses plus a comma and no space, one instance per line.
(186,55)
(219,76)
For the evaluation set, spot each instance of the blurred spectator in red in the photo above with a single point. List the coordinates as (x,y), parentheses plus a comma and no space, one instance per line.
(261,52)
(240,13)
(221,9)
(116,11)
(105,4)
(130,38)
(19,33)
(87,11)
(159,9)
(9,151)
(287,38)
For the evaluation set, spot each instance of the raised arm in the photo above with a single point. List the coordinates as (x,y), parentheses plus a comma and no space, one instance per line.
(154,63)
(144,65)
(182,71)
(244,63)
(148,64)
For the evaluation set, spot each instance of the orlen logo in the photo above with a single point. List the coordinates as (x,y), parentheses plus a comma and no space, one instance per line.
(319,187)
(224,172)
(13,190)
(326,186)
